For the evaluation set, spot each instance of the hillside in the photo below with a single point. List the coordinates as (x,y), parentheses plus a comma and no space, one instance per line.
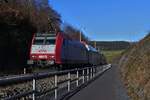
(111,49)
(19,20)
(135,69)
(111,45)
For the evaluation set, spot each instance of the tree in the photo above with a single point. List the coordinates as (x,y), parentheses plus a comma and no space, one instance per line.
(74,33)
(19,20)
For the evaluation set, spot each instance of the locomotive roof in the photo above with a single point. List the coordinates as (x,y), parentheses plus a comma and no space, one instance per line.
(66,36)
(45,35)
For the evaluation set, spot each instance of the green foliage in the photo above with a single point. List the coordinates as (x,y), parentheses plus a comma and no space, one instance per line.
(112,54)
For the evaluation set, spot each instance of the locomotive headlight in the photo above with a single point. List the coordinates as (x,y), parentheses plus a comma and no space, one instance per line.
(33,56)
(43,56)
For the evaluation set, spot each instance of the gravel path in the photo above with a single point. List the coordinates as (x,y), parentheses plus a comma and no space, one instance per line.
(106,87)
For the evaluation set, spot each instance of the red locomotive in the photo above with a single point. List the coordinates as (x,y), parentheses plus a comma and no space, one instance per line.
(60,49)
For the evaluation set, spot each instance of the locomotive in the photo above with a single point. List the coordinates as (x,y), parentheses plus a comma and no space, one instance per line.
(61,50)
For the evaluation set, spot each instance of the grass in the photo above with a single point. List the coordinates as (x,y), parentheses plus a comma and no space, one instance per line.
(135,70)
(111,55)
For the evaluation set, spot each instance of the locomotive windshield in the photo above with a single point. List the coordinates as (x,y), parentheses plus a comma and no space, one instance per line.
(44,41)
(38,41)
(43,44)
(50,42)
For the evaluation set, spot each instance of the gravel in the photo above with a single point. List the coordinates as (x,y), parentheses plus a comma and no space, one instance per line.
(42,85)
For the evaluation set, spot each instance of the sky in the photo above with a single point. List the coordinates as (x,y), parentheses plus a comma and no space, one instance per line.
(106,20)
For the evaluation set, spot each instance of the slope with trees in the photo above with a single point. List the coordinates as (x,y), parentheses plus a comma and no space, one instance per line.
(19,20)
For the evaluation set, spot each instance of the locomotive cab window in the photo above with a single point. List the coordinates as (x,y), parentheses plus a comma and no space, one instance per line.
(38,41)
(50,41)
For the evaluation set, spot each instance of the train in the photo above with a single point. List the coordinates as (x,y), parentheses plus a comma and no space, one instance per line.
(60,50)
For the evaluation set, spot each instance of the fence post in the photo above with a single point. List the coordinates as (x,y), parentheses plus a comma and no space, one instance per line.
(56,86)
(77,82)
(34,88)
(83,76)
(91,72)
(24,70)
(69,81)
(87,74)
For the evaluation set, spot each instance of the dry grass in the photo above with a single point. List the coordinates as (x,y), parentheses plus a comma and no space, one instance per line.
(135,68)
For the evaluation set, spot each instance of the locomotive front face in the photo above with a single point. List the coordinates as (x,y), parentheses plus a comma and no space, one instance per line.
(43,50)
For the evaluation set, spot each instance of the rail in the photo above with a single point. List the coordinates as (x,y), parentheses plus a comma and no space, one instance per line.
(82,76)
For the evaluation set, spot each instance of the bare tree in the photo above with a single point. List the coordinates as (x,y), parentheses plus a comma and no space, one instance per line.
(75,33)
(19,19)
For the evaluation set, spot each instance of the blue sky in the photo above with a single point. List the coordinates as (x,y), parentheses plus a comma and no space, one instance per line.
(106,19)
